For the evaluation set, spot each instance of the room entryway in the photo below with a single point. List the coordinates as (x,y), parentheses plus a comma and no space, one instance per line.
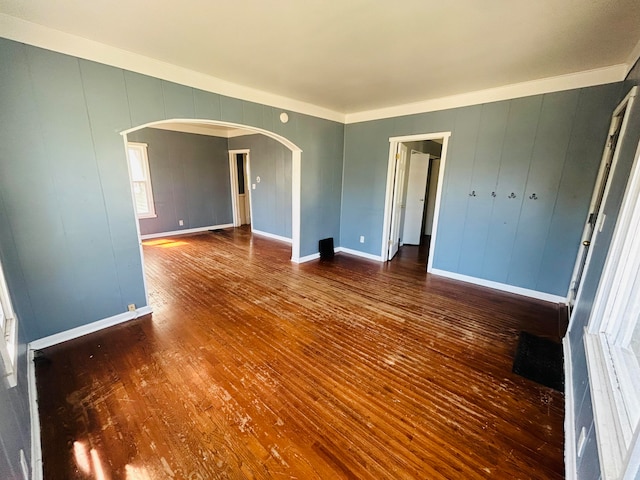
(416,168)
(240,187)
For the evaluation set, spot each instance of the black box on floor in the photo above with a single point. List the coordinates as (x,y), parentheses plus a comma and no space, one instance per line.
(325,246)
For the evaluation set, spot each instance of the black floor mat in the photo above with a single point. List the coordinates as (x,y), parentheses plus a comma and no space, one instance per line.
(540,360)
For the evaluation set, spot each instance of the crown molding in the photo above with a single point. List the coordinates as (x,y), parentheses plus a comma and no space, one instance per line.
(633,57)
(589,78)
(44,37)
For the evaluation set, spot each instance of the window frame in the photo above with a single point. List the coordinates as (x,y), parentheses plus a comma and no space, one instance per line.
(614,369)
(8,334)
(142,149)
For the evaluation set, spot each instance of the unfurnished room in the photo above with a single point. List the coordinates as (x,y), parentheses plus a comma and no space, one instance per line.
(319,240)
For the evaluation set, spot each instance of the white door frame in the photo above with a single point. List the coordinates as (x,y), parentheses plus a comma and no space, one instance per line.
(233,174)
(386,224)
(626,103)
(8,333)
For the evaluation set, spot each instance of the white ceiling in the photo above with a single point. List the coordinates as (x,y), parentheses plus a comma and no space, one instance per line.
(357,55)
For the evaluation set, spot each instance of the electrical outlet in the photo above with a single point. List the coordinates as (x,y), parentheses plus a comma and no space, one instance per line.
(132,307)
(361,238)
(181,222)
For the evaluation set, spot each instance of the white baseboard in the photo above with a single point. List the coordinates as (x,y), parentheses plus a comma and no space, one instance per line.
(500,286)
(306,258)
(270,235)
(570,457)
(36,446)
(34,413)
(186,231)
(358,253)
(89,328)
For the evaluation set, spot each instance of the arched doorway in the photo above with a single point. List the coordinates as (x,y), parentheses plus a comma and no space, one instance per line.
(296,154)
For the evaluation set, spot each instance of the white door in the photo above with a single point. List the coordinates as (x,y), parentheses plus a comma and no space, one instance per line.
(414,206)
(597,199)
(398,191)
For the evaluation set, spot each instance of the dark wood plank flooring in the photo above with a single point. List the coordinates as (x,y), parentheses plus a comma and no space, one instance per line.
(253,367)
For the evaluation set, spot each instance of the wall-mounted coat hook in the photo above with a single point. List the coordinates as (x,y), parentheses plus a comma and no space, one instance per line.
(493,194)
(473,194)
(513,195)
(533,196)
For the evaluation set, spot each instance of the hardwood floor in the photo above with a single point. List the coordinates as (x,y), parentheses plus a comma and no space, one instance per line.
(253,367)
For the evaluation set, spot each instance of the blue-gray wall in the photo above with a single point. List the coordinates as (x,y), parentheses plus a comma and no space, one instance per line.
(190,180)
(68,240)
(589,465)
(15,423)
(548,144)
(271,199)
(65,187)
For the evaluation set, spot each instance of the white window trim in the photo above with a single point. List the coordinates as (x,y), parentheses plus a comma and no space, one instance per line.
(9,335)
(614,372)
(142,147)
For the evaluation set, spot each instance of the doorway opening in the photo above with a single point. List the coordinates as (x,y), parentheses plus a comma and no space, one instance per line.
(204,126)
(414,188)
(240,171)
(595,218)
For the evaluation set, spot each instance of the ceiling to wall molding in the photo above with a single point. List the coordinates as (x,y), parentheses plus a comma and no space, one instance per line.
(358,55)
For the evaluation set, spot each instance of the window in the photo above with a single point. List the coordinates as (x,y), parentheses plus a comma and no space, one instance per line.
(140,179)
(8,333)
(612,343)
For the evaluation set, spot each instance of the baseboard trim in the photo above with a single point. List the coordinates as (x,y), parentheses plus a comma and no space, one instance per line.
(34,413)
(500,286)
(36,446)
(358,253)
(570,457)
(306,258)
(67,335)
(186,231)
(273,236)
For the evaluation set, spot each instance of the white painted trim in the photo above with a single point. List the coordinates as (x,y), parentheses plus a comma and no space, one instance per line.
(633,57)
(419,137)
(627,103)
(307,258)
(388,207)
(296,196)
(547,297)
(358,253)
(36,446)
(296,174)
(202,130)
(589,78)
(570,457)
(272,236)
(8,333)
(44,37)
(142,148)
(82,330)
(248,185)
(436,207)
(186,231)
(136,221)
(233,174)
(199,121)
(610,438)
